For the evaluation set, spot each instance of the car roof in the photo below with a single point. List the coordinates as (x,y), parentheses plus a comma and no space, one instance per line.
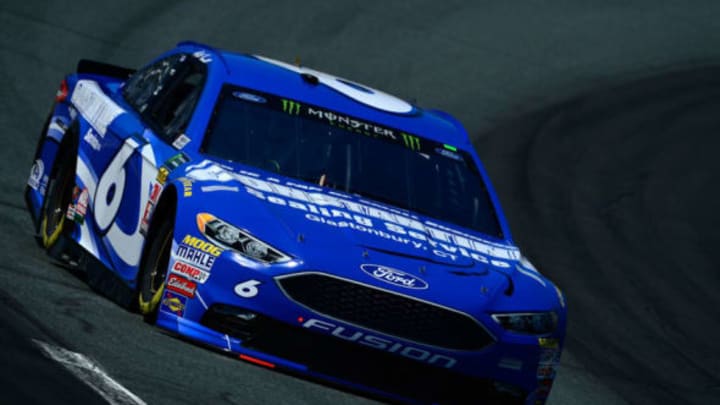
(269,76)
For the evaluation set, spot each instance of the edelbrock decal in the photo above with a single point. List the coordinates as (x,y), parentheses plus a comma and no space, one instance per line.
(394,276)
(181,285)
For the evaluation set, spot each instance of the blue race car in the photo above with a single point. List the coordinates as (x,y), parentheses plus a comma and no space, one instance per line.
(297,220)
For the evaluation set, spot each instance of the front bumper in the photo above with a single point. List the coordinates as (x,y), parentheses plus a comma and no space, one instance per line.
(281,333)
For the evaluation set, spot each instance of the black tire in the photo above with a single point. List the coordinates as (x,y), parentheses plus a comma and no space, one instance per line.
(59,193)
(153,269)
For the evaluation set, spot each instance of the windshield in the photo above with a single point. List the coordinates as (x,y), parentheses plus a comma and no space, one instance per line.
(347,154)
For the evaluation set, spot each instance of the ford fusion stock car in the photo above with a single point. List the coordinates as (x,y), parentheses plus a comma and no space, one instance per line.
(297,220)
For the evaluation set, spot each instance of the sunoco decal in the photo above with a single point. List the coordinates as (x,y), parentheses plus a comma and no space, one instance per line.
(394,276)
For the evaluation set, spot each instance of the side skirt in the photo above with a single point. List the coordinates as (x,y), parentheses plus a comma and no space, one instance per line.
(99,277)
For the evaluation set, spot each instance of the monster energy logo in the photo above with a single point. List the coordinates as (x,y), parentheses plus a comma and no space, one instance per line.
(291,107)
(411,142)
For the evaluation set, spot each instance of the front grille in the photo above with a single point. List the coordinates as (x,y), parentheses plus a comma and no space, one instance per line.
(385,312)
(353,362)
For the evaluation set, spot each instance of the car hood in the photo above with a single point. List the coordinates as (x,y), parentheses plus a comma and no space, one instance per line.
(355,238)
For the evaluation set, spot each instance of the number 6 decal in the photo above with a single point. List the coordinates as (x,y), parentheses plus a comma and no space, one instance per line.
(110,192)
(247,289)
(368,96)
(111,187)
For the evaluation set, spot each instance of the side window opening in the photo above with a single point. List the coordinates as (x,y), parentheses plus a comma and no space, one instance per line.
(166,92)
(173,112)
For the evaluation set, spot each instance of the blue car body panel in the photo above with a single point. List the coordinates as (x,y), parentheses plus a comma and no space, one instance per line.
(330,233)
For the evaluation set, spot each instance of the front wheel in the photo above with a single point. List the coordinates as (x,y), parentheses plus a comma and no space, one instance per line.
(153,269)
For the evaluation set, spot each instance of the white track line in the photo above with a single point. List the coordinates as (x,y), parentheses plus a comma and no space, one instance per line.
(91,374)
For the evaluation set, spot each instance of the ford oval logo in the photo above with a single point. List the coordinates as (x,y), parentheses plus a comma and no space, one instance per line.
(394,276)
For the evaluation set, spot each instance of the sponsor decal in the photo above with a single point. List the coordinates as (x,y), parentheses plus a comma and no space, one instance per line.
(174,303)
(394,276)
(547,367)
(94,105)
(203,56)
(189,271)
(546,372)
(353,124)
(449,154)
(92,140)
(202,245)
(187,186)
(291,107)
(36,173)
(548,343)
(210,189)
(181,141)
(379,343)
(196,257)
(249,97)
(78,206)
(385,222)
(155,189)
(247,289)
(175,161)
(162,175)
(411,142)
(197,252)
(170,165)
(181,285)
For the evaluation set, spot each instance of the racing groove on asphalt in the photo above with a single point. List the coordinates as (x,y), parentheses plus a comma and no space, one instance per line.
(615,194)
(612,193)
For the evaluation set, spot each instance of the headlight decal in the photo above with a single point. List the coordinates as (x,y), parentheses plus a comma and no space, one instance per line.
(238,240)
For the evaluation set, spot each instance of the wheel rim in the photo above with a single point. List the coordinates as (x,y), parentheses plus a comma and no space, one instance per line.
(54,213)
(153,281)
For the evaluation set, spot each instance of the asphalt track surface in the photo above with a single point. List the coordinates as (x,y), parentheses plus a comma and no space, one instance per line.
(599,125)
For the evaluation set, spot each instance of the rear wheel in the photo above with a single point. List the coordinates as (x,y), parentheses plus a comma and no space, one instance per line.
(59,192)
(153,269)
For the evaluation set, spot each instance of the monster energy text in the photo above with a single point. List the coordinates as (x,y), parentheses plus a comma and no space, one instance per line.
(351,123)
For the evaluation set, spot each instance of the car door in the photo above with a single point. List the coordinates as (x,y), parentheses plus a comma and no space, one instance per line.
(158,102)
